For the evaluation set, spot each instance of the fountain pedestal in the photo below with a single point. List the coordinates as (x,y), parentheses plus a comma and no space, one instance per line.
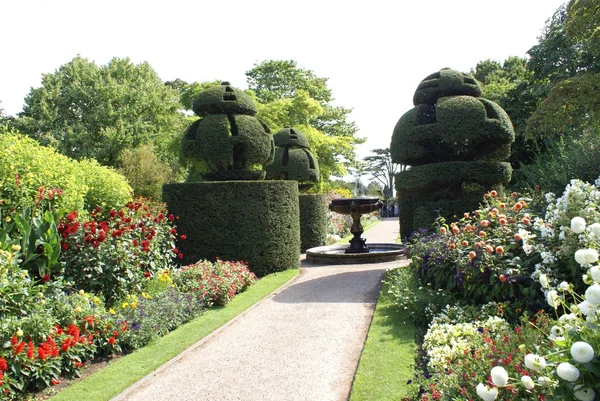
(355,207)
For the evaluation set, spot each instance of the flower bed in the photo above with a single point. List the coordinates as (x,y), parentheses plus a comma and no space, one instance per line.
(510,294)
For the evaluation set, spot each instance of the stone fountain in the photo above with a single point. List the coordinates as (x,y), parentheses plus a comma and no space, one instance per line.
(358,251)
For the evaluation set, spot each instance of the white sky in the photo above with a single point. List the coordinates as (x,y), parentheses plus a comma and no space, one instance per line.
(374,52)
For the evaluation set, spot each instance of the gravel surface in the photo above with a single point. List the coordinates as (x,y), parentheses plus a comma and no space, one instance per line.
(301,343)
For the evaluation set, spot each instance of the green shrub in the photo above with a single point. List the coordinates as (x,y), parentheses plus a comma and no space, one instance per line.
(313,220)
(566,159)
(252,221)
(26,166)
(145,172)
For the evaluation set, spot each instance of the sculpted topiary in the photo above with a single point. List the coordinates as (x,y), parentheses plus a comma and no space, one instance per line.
(455,142)
(293,159)
(228,142)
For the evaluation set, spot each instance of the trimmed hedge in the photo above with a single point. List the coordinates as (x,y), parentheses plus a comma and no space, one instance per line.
(85,184)
(443,175)
(253,221)
(313,220)
(224,99)
(446,82)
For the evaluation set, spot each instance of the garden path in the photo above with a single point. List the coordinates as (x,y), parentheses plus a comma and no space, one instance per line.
(301,343)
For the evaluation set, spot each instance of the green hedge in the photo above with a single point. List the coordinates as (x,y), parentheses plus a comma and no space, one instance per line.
(254,221)
(224,99)
(437,176)
(85,184)
(446,82)
(313,220)
(293,164)
(457,128)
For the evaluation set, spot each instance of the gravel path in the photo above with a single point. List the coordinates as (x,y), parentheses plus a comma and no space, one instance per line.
(301,343)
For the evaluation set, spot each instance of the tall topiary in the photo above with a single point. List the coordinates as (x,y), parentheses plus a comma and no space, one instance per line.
(455,142)
(227,142)
(294,161)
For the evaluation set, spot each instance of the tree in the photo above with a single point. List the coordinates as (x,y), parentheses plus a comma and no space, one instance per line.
(89,111)
(583,23)
(281,88)
(383,170)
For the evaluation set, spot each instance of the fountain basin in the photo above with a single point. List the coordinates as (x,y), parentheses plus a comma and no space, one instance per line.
(336,254)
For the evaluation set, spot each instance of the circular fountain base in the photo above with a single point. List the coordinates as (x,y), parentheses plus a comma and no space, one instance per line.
(336,254)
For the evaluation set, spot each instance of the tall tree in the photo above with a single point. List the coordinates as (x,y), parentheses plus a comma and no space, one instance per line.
(383,170)
(282,81)
(85,110)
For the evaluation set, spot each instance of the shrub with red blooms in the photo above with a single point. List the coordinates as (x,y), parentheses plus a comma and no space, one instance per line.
(111,252)
(215,283)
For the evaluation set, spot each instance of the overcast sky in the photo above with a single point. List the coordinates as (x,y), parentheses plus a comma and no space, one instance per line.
(374,52)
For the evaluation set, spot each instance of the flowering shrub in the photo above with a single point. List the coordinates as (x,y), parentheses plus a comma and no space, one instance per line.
(113,253)
(485,256)
(215,283)
(543,358)
(338,224)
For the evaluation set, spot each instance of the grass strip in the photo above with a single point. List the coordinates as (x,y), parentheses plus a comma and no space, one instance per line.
(387,360)
(117,376)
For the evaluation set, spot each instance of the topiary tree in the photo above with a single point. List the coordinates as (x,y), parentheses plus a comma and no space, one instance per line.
(293,159)
(227,142)
(455,142)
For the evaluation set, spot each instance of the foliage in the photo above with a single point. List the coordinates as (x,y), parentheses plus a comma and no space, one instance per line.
(338,225)
(565,159)
(25,167)
(214,283)
(296,97)
(383,170)
(113,252)
(144,171)
(89,111)
(582,22)
(313,220)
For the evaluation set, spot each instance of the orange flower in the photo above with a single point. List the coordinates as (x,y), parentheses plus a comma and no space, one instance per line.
(499,250)
(494,194)
(472,255)
(489,249)
(484,223)
(465,243)
(502,205)
(451,245)
(502,278)
(455,230)
(526,220)
(502,222)
(514,194)
(517,207)
(518,237)
(443,230)
(482,234)
(468,227)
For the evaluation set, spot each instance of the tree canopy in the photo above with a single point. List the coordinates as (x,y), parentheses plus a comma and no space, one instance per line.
(295,97)
(89,111)
(383,170)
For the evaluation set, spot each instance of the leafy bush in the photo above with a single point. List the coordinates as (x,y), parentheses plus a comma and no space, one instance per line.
(26,166)
(145,172)
(566,159)
(215,283)
(112,253)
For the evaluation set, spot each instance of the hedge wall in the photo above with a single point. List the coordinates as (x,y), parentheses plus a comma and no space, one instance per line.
(254,221)
(313,220)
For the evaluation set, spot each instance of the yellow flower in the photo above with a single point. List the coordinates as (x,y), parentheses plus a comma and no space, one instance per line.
(16,248)
(19,333)
(128,296)
(81,292)
(124,305)
(96,300)
(78,309)
(7,219)
(133,305)
(41,294)
(112,311)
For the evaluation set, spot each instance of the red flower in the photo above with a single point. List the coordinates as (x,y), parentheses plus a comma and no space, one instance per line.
(64,246)
(171,217)
(30,350)
(180,255)
(112,214)
(41,353)
(147,274)
(183,237)
(54,382)
(175,250)
(46,278)
(72,216)
(111,340)
(3,365)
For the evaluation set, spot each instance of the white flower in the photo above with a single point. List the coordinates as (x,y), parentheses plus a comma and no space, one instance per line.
(582,352)
(544,381)
(556,332)
(553,299)
(564,286)
(583,256)
(535,362)
(499,376)
(544,280)
(595,273)
(584,394)
(595,229)
(586,308)
(527,382)
(567,372)
(592,294)
(486,393)
(577,225)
